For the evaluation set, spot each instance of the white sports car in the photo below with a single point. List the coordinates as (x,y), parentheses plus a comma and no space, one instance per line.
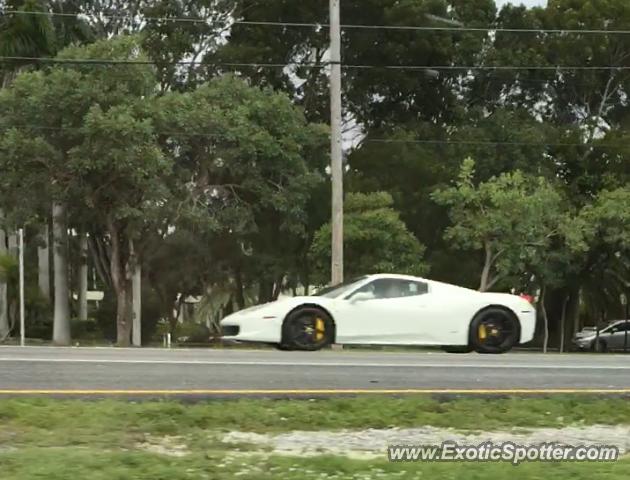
(389,310)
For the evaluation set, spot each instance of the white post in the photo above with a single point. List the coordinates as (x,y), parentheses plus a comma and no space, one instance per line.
(336,143)
(21,244)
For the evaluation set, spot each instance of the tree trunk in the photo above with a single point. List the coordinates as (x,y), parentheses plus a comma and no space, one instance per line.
(12,241)
(4,305)
(573,310)
(563,317)
(239,294)
(61,321)
(83,277)
(545,320)
(121,281)
(137,306)
(43,264)
(265,291)
(277,288)
(124,305)
(487,267)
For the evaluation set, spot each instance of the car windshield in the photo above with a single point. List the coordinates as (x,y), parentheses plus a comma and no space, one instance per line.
(339,289)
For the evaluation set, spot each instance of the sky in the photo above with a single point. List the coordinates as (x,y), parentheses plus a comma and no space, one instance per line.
(529,3)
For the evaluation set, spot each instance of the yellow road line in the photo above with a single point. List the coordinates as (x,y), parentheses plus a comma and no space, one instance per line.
(432,391)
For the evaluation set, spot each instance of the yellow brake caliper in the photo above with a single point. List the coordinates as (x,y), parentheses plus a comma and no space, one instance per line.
(482,333)
(320,329)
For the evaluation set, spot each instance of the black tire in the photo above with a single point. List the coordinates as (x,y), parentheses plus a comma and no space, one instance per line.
(494,330)
(458,349)
(308,329)
(600,346)
(284,347)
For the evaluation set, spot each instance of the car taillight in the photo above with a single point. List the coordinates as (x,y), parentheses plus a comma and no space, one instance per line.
(528,298)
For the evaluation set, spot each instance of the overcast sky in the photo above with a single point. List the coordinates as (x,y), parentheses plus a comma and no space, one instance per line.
(529,3)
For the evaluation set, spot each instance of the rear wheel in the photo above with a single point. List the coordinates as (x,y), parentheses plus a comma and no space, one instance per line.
(307,328)
(494,330)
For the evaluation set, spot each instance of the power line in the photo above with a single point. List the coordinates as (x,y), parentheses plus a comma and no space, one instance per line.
(489,67)
(323,26)
(88,61)
(492,143)
(97,62)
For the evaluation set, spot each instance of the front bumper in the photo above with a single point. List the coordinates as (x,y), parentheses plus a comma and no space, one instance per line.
(527,320)
(583,343)
(252,327)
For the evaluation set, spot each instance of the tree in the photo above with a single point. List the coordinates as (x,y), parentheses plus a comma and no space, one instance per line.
(510,218)
(83,137)
(245,170)
(20,36)
(375,240)
(167,42)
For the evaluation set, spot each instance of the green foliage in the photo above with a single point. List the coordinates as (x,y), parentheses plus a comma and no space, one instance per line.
(253,159)
(375,240)
(191,332)
(26,35)
(607,219)
(9,269)
(38,319)
(105,315)
(85,330)
(513,218)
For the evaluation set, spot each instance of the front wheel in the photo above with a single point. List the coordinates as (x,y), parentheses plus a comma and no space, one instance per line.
(307,328)
(494,330)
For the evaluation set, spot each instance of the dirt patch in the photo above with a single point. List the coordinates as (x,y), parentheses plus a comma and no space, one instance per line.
(171,446)
(373,442)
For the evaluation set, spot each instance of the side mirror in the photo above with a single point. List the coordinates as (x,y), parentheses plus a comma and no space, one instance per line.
(361,297)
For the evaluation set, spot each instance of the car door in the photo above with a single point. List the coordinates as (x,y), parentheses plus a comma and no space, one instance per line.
(618,336)
(384,311)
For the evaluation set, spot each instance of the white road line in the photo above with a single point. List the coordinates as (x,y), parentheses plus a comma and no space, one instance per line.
(314,364)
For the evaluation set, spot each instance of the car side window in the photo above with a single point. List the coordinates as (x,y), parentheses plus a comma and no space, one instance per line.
(418,288)
(383,288)
(621,328)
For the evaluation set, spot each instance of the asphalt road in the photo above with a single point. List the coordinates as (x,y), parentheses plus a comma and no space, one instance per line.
(205,372)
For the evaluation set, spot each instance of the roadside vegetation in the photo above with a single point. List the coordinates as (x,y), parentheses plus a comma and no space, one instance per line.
(96,420)
(100,464)
(112,439)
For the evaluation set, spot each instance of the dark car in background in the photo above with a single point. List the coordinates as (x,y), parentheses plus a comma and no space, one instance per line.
(611,337)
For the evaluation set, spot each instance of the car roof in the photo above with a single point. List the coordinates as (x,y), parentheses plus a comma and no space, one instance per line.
(396,276)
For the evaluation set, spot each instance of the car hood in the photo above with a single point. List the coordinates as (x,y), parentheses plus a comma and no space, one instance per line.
(585,333)
(279,307)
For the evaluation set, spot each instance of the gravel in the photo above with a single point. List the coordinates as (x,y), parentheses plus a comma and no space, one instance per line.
(373,442)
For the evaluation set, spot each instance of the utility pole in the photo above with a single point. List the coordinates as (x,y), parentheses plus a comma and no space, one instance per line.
(336,165)
(21,260)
